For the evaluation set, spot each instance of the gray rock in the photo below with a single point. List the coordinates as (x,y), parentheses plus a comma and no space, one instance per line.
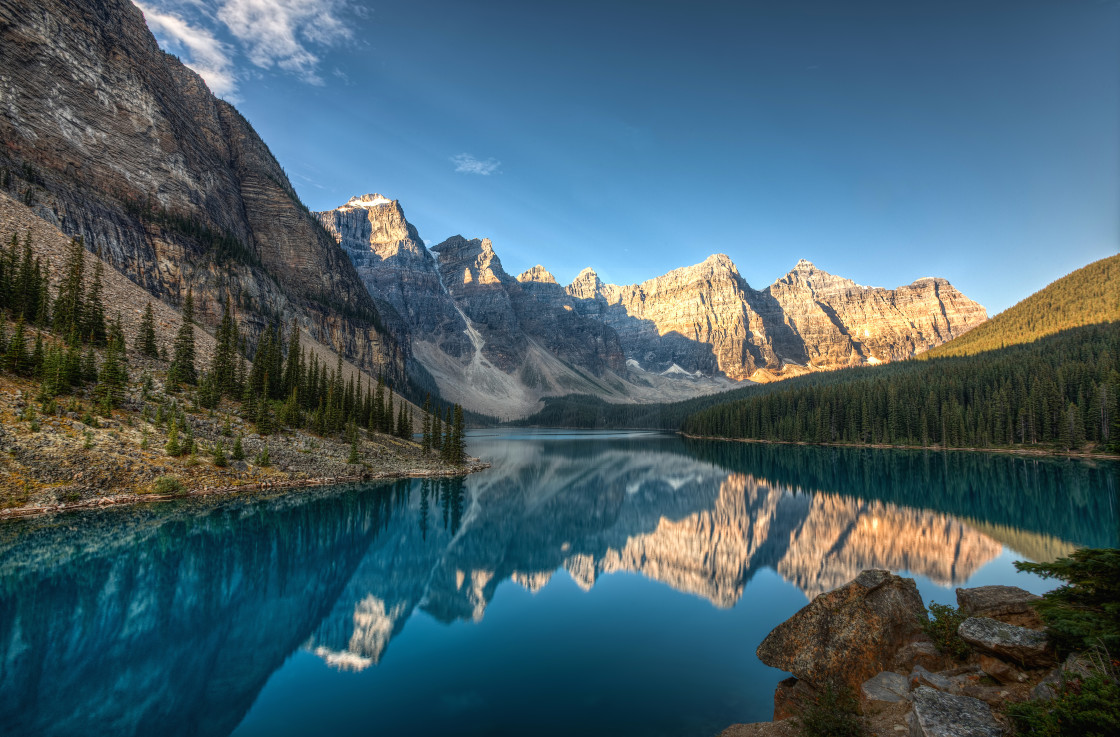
(1021,645)
(922,677)
(938,714)
(1009,604)
(886,686)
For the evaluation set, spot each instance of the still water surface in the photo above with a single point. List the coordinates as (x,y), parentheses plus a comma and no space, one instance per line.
(589,583)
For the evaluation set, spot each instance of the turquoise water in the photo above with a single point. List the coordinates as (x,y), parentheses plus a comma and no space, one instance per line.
(591,583)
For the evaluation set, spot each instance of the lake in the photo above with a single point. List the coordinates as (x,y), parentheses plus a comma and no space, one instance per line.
(588,583)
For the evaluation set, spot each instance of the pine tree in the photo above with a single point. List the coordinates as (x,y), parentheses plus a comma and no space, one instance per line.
(146,335)
(448,444)
(112,379)
(224,363)
(68,307)
(457,444)
(16,359)
(437,433)
(219,455)
(93,313)
(426,425)
(238,453)
(182,370)
(172,446)
(293,370)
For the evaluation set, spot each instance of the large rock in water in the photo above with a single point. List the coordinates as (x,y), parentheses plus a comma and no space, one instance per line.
(1009,604)
(1019,644)
(850,634)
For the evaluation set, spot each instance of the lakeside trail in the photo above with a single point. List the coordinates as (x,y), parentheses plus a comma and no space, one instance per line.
(1038,452)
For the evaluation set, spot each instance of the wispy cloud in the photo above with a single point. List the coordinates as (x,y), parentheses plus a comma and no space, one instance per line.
(289,35)
(467,164)
(203,51)
(281,32)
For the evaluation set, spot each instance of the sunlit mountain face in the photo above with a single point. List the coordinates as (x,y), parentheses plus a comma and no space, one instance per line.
(711,544)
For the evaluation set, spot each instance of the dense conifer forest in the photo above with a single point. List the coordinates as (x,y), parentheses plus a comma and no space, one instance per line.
(1057,393)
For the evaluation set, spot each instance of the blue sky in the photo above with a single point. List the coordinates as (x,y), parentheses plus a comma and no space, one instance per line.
(884,141)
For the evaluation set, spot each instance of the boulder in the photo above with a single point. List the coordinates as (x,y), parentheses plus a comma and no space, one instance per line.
(886,686)
(920,652)
(850,634)
(1027,647)
(922,677)
(938,714)
(1001,671)
(1009,604)
(790,698)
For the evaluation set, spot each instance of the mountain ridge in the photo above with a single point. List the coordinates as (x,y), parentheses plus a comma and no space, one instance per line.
(695,330)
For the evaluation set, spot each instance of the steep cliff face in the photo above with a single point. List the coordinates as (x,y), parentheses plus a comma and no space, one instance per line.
(395,267)
(113,140)
(491,342)
(842,323)
(707,318)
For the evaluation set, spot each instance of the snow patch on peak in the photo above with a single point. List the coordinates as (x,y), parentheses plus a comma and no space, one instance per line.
(367,201)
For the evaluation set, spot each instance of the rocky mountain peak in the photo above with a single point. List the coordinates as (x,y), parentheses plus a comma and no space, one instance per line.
(804,265)
(367,201)
(586,285)
(538,274)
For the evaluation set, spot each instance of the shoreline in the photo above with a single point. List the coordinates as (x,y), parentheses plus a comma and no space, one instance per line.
(118,500)
(883,446)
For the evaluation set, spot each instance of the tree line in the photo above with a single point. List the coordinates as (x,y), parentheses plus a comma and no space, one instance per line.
(284,386)
(1059,392)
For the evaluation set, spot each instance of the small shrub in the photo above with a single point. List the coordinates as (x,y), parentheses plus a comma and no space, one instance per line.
(87,440)
(70,497)
(942,629)
(834,713)
(1083,708)
(168,485)
(1085,612)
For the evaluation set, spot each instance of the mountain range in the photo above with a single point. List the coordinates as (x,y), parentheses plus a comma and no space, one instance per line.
(110,139)
(497,343)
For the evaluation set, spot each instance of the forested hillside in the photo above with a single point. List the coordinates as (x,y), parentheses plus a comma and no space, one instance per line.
(1088,296)
(1059,393)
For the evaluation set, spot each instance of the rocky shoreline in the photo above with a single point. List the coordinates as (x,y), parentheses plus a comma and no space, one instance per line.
(869,638)
(73,459)
(473,465)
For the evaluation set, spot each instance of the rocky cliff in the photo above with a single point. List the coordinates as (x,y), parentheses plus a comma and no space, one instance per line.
(499,344)
(494,343)
(707,318)
(111,139)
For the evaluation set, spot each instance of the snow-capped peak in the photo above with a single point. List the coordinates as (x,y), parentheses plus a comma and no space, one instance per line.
(368,201)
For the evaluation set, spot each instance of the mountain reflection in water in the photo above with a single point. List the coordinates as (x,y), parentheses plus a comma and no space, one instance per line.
(171,618)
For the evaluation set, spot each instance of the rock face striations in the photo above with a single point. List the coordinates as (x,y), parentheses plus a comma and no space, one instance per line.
(110,139)
(498,344)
